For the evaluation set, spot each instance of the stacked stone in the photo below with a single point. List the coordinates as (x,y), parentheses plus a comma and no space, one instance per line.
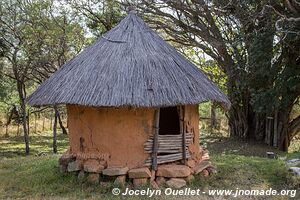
(170,175)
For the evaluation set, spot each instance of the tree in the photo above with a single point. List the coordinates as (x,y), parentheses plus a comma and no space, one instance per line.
(40,40)
(99,16)
(214,73)
(260,62)
(11,32)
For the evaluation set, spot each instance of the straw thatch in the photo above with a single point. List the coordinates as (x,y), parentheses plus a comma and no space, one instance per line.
(129,66)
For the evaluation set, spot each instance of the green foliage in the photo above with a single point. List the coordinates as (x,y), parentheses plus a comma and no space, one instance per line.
(205,111)
(209,66)
(8,94)
(98,16)
(38,37)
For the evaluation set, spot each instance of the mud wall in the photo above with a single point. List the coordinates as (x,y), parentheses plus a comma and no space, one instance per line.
(191,118)
(116,134)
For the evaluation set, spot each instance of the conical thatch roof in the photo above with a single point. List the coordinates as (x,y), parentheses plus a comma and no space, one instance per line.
(129,66)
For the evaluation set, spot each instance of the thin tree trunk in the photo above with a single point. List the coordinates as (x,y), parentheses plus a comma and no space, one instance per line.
(35,128)
(6,130)
(213,119)
(55,130)
(51,121)
(22,96)
(43,123)
(28,121)
(8,120)
(275,134)
(18,129)
(60,122)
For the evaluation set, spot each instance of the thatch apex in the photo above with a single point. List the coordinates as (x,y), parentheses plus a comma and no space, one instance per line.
(129,66)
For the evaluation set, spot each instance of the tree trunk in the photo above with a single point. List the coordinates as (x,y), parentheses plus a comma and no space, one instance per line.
(35,126)
(51,121)
(9,116)
(18,129)
(25,128)
(238,114)
(213,116)
(55,130)
(28,121)
(64,131)
(43,127)
(22,97)
(6,130)
(273,129)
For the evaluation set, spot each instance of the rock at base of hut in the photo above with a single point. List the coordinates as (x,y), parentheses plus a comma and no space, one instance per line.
(65,159)
(74,166)
(293,162)
(139,173)
(140,182)
(212,170)
(154,185)
(189,179)
(120,180)
(152,175)
(295,170)
(191,163)
(115,171)
(81,176)
(176,183)
(201,166)
(173,171)
(62,168)
(205,155)
(93,166)
(205,173)
(160,180)
(93,178)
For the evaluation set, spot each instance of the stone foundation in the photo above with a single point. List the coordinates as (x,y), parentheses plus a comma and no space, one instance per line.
(175,174)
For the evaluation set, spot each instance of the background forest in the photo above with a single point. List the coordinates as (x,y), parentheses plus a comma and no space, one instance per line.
(249,48)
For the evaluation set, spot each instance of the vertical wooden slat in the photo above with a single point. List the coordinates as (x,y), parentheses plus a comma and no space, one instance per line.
(155,140)
(182,131)
(275,128)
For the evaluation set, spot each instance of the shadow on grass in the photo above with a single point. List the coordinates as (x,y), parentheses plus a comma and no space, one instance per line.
(39,144)
(225,145)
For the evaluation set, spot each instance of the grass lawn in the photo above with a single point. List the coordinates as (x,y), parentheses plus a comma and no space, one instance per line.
(240,165)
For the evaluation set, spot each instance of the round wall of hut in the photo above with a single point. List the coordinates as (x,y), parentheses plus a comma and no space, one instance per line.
(117,135)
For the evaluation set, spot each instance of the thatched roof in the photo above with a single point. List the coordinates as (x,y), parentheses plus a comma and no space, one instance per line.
(129,66)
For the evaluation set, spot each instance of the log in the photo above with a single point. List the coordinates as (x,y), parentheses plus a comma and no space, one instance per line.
(155,140)
(167,158)
(172,148)
(183,135)
(166,144)
(170,140)
(166,150)
(179,136)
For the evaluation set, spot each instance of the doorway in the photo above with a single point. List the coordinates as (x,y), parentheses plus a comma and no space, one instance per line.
(169,123)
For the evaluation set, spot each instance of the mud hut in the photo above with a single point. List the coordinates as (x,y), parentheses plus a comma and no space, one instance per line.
(132,102)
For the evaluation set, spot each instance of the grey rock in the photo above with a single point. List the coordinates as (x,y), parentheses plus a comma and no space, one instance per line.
(293,162)
(295,170)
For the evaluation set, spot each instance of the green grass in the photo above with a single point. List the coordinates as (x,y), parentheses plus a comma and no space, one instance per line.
(243,172)
(11,147)
(39,177)
(240,164)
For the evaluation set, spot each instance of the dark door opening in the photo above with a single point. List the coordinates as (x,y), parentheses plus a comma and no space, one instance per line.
(169,121)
